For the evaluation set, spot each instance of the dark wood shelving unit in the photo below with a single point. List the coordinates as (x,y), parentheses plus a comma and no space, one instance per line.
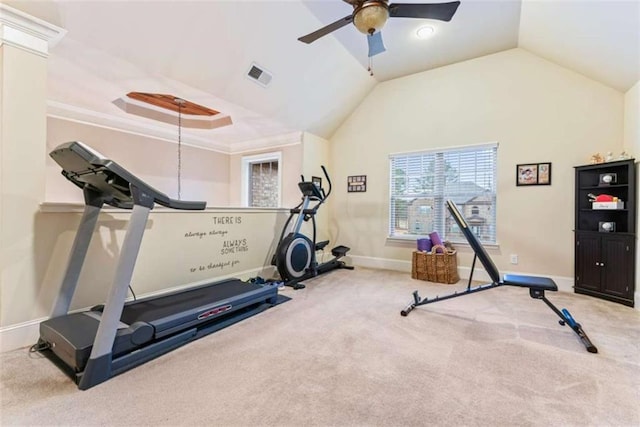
(605,260)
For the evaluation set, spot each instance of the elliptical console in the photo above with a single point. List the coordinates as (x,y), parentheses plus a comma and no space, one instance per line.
(295,256)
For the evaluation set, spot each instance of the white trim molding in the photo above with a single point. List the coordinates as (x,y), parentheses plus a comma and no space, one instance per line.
(62,111)
(27,32)
(270,142)
(72,113)
(20,335)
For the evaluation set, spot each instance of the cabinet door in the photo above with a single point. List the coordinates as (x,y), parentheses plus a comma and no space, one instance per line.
(617,257)
(588,270)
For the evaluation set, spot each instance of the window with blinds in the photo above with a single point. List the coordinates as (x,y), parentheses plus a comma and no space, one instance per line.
(421,182)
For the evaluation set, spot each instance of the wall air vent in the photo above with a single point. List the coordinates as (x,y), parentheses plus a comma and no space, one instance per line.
(259,75)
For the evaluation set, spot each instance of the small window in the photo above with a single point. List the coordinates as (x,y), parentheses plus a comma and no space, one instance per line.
(261,177)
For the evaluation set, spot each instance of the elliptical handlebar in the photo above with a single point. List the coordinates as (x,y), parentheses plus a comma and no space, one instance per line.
(321,190)
(326,175)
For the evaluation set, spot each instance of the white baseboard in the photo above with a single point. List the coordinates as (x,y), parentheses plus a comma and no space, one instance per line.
(20,335)
(27,333)
(565,284)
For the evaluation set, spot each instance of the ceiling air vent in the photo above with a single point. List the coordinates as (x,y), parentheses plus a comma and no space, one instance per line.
(259,75)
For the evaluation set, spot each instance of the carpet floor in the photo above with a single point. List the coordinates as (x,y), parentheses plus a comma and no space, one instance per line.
(339,354)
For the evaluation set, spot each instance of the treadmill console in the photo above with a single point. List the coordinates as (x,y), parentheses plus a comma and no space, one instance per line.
(90,170)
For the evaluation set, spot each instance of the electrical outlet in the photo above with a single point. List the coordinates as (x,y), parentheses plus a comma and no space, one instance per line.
(513,259)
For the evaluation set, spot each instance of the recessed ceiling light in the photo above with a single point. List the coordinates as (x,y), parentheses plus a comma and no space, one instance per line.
(425,32)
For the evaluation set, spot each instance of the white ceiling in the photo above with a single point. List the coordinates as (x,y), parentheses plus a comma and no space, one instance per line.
(202,51)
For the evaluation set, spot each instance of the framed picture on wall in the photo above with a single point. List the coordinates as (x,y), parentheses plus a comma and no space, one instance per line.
(527,174)
(544,173)
(533,174)
(357,184)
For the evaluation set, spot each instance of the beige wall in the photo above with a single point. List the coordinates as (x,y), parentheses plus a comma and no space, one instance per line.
(315,155)
(204,173)
(22,171)
(535,110)
(632,121)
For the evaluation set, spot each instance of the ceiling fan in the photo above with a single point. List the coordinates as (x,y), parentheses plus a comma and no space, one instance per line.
(369,16)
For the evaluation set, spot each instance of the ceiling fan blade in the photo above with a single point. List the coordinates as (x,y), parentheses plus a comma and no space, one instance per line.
(376,45)
(440,11)
(326,30)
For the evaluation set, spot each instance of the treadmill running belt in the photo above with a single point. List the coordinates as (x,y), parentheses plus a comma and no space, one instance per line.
(163,307)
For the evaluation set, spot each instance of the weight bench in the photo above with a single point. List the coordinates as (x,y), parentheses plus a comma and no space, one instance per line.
(536,285)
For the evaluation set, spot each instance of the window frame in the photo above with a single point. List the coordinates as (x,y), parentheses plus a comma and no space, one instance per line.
(392,226)
(247,162)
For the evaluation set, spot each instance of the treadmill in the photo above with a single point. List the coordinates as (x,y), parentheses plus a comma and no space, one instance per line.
(94,345)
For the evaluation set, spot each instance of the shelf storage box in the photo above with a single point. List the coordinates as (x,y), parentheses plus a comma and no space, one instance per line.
(608,205)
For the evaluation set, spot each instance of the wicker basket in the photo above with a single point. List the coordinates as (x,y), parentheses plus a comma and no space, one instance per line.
(435,267)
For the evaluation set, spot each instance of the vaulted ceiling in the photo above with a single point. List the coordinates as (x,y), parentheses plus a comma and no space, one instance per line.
(202,51)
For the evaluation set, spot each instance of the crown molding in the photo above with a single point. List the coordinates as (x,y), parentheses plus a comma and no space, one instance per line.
(27,32)
(81,115)
(72,113)
(282,140)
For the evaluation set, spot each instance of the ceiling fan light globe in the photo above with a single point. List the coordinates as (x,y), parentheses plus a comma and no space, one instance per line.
(371,17)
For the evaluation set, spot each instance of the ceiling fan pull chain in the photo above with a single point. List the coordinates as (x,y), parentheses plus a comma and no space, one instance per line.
(370,69)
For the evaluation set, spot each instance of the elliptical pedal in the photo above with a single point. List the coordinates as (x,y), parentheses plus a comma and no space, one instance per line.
(321,245)
(340,251)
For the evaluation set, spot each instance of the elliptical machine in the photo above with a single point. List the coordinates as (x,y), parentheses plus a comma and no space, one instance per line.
(295,256)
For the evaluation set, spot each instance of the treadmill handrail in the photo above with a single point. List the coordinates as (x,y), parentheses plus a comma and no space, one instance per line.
(86,167)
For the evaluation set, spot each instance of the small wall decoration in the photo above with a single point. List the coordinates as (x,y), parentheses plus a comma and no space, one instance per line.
(357,184)
(533,174)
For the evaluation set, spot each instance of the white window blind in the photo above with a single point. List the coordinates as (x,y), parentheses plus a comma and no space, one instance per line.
(421,182)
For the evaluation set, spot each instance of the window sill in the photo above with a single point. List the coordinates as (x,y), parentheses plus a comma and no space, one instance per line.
(411,242)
